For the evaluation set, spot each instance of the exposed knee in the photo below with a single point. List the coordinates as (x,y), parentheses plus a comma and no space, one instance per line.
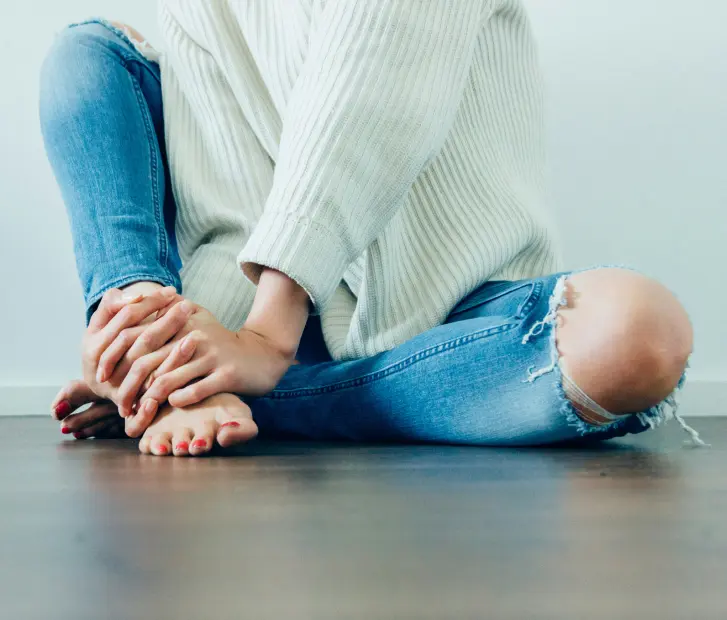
(623,338)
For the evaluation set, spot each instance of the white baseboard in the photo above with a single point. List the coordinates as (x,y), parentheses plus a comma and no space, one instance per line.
(698,398)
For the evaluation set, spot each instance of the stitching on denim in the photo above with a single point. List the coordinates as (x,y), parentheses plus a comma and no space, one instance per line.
(394,368)
(528,304)
(466,308)
(153,156)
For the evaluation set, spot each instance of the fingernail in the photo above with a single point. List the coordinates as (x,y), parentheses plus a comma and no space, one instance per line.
(128,298)
(162,449)
(186,306)
(182,445)
(199,443)
(65,430)
(100,376)
(168,291)
(150,406)
(230,424)
(78,435)
(62,409)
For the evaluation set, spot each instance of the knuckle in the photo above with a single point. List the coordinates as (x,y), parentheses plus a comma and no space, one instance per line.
(226,373)
(126,336)
(145,339)
(125,314)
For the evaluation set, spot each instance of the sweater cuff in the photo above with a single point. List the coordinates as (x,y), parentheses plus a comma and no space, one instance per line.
(305,251)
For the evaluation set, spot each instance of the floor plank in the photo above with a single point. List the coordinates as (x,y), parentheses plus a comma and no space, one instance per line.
(633,529)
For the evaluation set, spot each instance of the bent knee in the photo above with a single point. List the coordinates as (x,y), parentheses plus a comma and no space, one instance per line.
(75,65)
(624,339)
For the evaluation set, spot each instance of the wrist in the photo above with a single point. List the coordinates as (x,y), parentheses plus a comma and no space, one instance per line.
(279,312)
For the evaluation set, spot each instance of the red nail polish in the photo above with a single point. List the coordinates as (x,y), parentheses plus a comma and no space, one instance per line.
(162,449)
(199,443)
(230,424)
(65,430)
(182,445)
(63,408)
(78,436)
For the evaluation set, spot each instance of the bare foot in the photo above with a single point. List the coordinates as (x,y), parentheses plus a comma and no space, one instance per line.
(192,431)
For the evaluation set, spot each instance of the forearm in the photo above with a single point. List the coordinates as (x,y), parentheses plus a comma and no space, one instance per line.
(279,312)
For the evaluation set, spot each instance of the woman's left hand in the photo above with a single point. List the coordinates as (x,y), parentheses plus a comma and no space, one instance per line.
(212,359)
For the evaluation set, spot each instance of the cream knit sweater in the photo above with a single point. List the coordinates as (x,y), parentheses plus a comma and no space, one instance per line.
(385,154)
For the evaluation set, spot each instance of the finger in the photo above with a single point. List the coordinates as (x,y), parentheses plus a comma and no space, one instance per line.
(175,300)
(182,353)
(70,397)
(198,391)
(162,330)
(116,350)
(112,301)
(114,430)
(135,425)
(129,316)
(77,421)
(94,429)
(164,385)
(139,372)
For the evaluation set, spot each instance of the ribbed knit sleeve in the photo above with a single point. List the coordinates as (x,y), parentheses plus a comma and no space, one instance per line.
(373,104)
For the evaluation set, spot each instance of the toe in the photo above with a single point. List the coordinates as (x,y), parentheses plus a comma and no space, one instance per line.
(161,444)
(203,439)
(181,442)
(145,443)
(235,427)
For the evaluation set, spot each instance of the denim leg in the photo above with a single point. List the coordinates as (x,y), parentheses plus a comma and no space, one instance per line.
(464,382)
(102,123)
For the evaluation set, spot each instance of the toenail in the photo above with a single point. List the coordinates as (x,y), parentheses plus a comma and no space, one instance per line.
(162,449)
(231,424)
(63,408)
(65,430)
(182,445)
(78,435)
(199,443)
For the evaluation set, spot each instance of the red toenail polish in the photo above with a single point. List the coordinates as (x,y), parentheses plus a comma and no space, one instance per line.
(162,449)
(65,430)
(63,408)
(230,424)
(182,445)
(199,443)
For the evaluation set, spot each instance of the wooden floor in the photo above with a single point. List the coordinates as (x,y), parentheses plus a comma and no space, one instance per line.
(93,530)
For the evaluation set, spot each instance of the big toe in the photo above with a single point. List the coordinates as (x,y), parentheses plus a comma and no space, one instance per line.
(235,423)
(235,431)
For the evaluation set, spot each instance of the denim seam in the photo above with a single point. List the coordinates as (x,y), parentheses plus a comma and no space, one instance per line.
(527,305)
(479,302)
(151,137)
(394,368)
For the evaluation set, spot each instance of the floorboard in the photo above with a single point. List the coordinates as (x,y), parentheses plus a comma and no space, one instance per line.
(632,529)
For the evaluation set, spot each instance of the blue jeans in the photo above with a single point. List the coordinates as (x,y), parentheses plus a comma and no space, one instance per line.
(487,376)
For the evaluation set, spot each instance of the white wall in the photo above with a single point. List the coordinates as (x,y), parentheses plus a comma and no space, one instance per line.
(638,123)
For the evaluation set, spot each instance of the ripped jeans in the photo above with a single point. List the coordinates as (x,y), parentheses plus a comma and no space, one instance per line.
(488,376)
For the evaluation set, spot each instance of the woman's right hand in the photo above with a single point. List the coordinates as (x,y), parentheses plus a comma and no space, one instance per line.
(117,337)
